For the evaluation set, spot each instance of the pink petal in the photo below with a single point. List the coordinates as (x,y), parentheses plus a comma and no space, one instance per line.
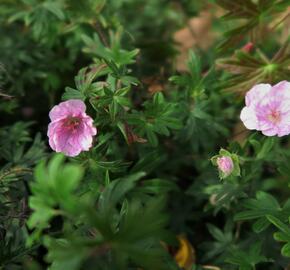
(249,118)
(283,86)
(72,107)
(283,131)
(256,93)
(269,132)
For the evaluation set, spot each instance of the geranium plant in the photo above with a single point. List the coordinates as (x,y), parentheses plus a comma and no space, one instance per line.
(144,135)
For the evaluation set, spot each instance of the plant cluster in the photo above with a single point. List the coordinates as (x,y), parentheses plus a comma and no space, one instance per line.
(155,169)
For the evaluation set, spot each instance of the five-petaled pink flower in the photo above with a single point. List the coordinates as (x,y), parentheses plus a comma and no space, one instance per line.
(71,130)
(268,109)
(225,165)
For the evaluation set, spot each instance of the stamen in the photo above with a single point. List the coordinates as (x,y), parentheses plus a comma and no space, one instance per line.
(274,117)
(71,123)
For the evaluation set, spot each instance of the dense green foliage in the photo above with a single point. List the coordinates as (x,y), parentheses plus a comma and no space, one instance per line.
(149,176)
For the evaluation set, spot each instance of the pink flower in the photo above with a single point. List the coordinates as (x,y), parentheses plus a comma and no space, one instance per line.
(268,109)
(225,165)
(71,130)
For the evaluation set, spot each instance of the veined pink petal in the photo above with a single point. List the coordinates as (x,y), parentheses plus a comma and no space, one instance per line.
(71,107)
(256,93)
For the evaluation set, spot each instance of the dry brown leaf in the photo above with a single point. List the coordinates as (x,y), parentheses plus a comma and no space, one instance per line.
(197,34)
(154,84)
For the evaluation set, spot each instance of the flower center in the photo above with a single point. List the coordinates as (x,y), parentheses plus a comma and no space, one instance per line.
(274,116)
(71,123)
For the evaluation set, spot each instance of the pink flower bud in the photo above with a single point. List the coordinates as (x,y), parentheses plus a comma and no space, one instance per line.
(225,164)
(248,47)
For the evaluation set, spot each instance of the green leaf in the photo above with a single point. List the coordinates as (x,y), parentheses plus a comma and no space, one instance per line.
(216,232)
(53,186)
(263,205)
(65,254)
(117,189)
(286,250)
(157,186)
(55,8)
(260,225)
(152,138)
(71,93)
(280,225)
(284,235)
(266,147)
